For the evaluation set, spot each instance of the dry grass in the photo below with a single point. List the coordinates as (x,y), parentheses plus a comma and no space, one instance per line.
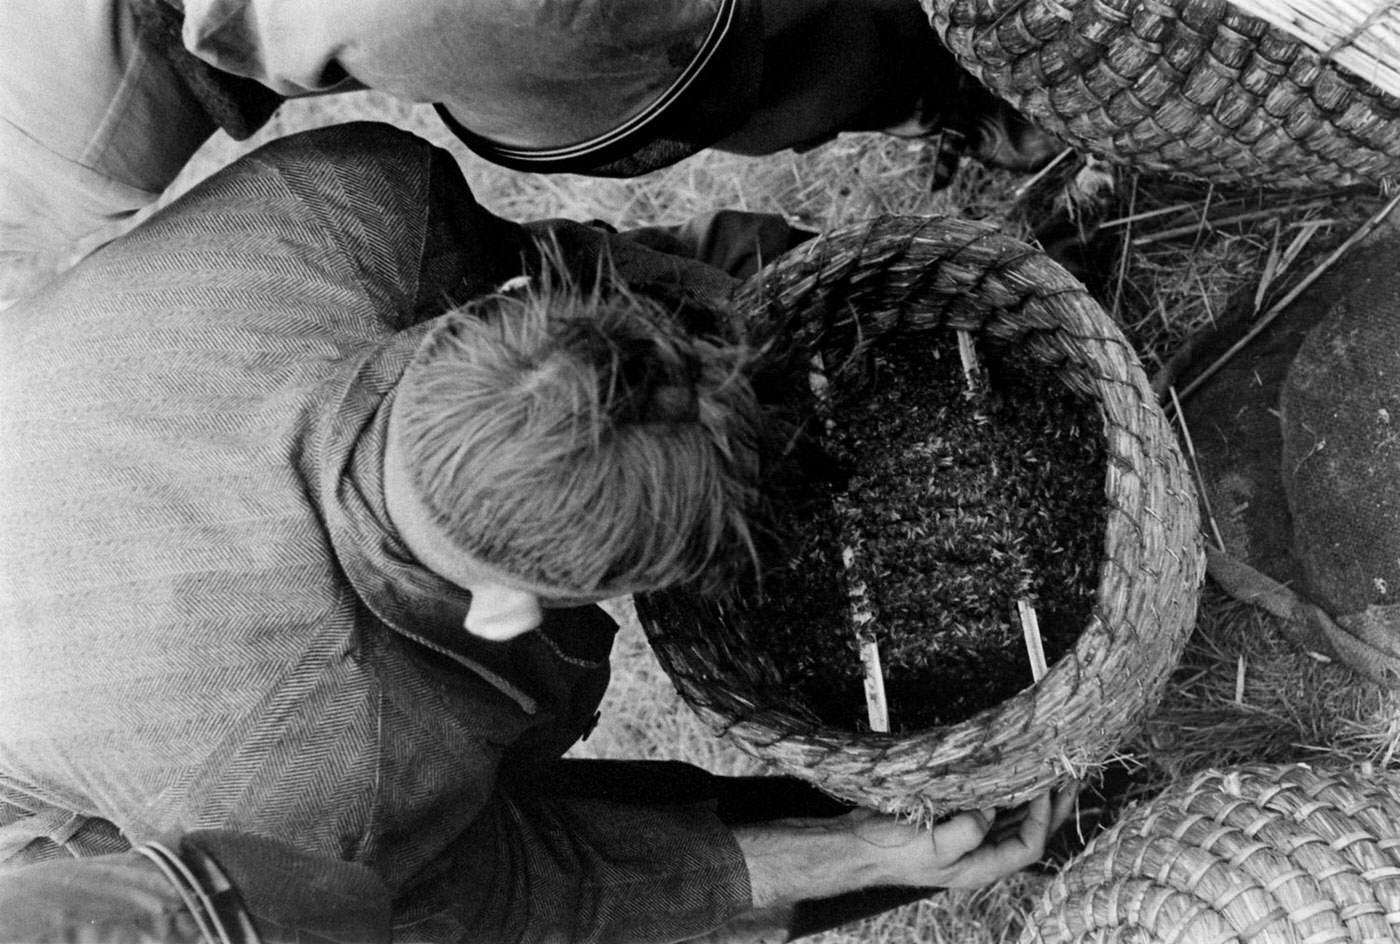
(1244,694)
(1178,257)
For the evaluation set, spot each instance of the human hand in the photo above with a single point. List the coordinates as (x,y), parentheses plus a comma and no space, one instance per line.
(968,850)
(795,859)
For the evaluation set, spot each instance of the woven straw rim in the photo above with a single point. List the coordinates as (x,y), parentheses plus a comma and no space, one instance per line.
(1197,88)
(918,273)
(1269,854)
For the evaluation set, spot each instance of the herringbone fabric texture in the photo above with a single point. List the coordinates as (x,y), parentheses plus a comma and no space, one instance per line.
(205,619)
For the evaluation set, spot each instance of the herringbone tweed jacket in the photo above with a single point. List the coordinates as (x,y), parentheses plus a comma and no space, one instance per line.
(205,619)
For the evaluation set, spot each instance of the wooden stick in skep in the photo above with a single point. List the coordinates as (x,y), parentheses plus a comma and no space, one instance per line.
(877,708)
(972,367)
(1035,646)
(1035,651)
(862,614)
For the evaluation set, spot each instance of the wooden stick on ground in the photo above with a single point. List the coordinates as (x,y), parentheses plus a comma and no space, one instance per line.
(1278,307)
(1020,192)
(1196,470)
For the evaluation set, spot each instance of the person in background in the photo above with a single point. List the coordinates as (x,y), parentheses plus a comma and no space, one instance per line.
(102,102)
(312,480)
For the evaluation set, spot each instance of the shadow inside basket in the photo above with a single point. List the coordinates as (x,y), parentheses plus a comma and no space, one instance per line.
(925,503)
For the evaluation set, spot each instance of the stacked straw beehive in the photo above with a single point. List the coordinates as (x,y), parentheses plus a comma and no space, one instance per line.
(1199,88)
(1361,36)
(1252,855)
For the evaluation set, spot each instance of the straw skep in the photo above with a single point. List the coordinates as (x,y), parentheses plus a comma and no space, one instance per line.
(872,283)
(1361,36)
(1193,87)
(1260,854)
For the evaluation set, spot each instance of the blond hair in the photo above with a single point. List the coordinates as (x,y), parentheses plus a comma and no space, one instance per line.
(580,440)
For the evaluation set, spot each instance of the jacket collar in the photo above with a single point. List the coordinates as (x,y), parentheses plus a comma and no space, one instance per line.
(348,455)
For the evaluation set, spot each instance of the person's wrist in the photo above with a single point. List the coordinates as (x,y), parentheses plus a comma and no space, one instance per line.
(883,863)
(797,859)
(864,862)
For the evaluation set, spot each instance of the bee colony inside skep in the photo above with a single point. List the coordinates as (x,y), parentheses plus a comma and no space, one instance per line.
(926,504)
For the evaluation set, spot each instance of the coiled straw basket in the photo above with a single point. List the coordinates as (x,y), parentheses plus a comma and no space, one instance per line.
(905,274)
(1192,87)
(1261,854)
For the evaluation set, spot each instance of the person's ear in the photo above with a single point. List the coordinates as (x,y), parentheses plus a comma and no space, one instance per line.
(499,612)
